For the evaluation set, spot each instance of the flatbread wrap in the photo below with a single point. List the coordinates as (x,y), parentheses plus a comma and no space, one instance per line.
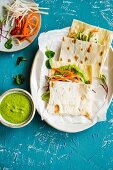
(83,52)
(70,98)
(86,32)
(70,89)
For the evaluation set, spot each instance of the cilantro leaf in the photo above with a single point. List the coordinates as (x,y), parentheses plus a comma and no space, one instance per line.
(45,96)
(20,59)
(49,63)
(8,44)
(49,53)
(19,79)
(103,78)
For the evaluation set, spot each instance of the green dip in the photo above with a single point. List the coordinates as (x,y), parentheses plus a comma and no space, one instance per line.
(15,108)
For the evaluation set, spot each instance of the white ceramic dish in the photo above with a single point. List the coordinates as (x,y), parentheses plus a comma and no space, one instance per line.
(66,127)
(11,125)
(15,47)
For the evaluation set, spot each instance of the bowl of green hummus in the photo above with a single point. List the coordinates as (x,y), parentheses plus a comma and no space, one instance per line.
(17,108)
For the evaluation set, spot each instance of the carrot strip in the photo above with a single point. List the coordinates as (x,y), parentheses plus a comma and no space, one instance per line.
(28,35)
(73,78)
(28,39)
(32,16)
(31,24)
(60,71)
(68,75)
(28,26)
(94,31)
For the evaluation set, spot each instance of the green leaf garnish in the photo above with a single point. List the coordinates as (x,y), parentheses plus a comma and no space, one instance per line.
(8,44)
(2,21)
(103,78)
(19,79)
(45,96)
(49,63)
(20,59)
(104,83)
(87,82)
(49,53)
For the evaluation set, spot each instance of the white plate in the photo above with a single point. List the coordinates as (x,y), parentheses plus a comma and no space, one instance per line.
(34,84)
(15,47)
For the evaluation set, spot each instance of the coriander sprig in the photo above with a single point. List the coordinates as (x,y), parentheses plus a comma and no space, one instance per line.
(19,79)
(49,54)
(20,59)
(8,44)
(104,83)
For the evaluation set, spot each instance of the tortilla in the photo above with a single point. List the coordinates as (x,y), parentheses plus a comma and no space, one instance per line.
(67,98)
(83,52)
(105,36)
(87,69)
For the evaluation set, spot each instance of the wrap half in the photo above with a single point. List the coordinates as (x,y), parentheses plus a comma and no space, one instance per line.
(83,52)
(68,98)
(70,89)
(86,32)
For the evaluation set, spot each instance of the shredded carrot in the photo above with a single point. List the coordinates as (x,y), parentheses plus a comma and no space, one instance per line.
(30,26)
(31,23)
(73,78)
(28,39)
(60,79)
(25,38)
(63,71)
(30,20)
(68,75)
(94,30)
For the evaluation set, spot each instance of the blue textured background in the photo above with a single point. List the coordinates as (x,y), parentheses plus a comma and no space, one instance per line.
(38,146)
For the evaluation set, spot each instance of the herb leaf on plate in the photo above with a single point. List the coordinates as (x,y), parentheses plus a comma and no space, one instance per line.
(104,83)
(45,96)
(8,44)
(49,63)
(2,22)
(19,79)
(20,59)
(49,53)
(103,78)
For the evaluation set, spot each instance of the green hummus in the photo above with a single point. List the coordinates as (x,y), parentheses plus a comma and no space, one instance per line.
(15,108)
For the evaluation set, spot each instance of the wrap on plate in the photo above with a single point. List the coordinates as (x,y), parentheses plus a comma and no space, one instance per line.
(85,32)
(70,89)
(65,72)
(70,98)
(83,52)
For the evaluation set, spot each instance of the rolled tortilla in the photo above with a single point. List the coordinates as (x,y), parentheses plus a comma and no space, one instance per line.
(67,98)
(104,36)
(83,52)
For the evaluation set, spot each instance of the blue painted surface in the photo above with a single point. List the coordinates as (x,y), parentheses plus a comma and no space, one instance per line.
(38,146)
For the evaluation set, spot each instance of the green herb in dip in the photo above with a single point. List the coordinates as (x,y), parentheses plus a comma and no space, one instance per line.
(15,108)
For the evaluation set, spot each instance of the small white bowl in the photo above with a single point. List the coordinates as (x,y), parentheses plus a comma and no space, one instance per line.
(12,125)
